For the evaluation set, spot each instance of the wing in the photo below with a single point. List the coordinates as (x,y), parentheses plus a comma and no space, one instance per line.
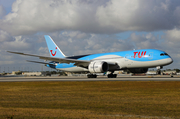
(81,63)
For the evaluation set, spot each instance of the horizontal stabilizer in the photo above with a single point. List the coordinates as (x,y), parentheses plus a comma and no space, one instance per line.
(38,62)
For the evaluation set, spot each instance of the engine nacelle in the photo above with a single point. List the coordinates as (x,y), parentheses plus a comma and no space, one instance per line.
(139,70)
(98,67)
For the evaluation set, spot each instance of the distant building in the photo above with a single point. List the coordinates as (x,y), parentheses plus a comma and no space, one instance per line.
(169,72)
(32,73)
(166,72)
(16,72)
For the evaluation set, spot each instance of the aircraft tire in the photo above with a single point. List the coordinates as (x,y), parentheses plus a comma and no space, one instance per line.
(92,76)
(115,75)
(112,75)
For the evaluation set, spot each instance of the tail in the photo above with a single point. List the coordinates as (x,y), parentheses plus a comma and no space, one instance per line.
(53,48)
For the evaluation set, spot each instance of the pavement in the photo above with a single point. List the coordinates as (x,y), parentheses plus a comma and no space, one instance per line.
(99,78)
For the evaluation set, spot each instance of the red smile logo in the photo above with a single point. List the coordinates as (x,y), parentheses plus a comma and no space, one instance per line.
(52,53)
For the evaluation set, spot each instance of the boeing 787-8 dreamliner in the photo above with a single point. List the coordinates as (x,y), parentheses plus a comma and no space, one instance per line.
(136,61)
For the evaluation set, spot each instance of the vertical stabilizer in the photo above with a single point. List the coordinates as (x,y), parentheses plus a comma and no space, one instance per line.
(53,48)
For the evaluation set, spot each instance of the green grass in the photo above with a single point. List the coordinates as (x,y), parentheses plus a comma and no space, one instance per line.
(106,99)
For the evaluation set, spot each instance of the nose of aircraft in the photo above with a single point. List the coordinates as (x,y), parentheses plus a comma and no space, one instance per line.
(169,60)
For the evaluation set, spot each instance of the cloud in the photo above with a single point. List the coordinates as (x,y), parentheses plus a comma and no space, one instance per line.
(145,41)
(109,16)
(4,36)
(171,42)
(2,11)
(48,15)
(138,15)
(18,44)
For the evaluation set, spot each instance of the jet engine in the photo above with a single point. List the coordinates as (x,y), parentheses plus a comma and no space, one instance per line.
(98,67)
(139,70)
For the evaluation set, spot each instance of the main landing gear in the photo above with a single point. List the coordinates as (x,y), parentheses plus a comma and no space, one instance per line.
(111,75)
(92,76)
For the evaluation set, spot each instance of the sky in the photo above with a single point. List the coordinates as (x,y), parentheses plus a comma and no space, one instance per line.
(85,27)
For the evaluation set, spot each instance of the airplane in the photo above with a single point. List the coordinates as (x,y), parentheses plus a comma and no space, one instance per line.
(136,61)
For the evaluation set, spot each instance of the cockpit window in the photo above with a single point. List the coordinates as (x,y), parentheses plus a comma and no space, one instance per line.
(166,54)
(162,54)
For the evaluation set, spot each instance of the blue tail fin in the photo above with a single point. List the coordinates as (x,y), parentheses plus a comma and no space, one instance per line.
(53,48)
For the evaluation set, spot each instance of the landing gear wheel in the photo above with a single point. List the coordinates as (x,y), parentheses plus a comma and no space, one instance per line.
(92,76)
(112,75)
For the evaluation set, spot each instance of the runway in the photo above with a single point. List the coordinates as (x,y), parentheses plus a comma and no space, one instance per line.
(101,78)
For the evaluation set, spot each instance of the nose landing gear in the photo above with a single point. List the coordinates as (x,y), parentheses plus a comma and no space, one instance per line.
(158,72)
